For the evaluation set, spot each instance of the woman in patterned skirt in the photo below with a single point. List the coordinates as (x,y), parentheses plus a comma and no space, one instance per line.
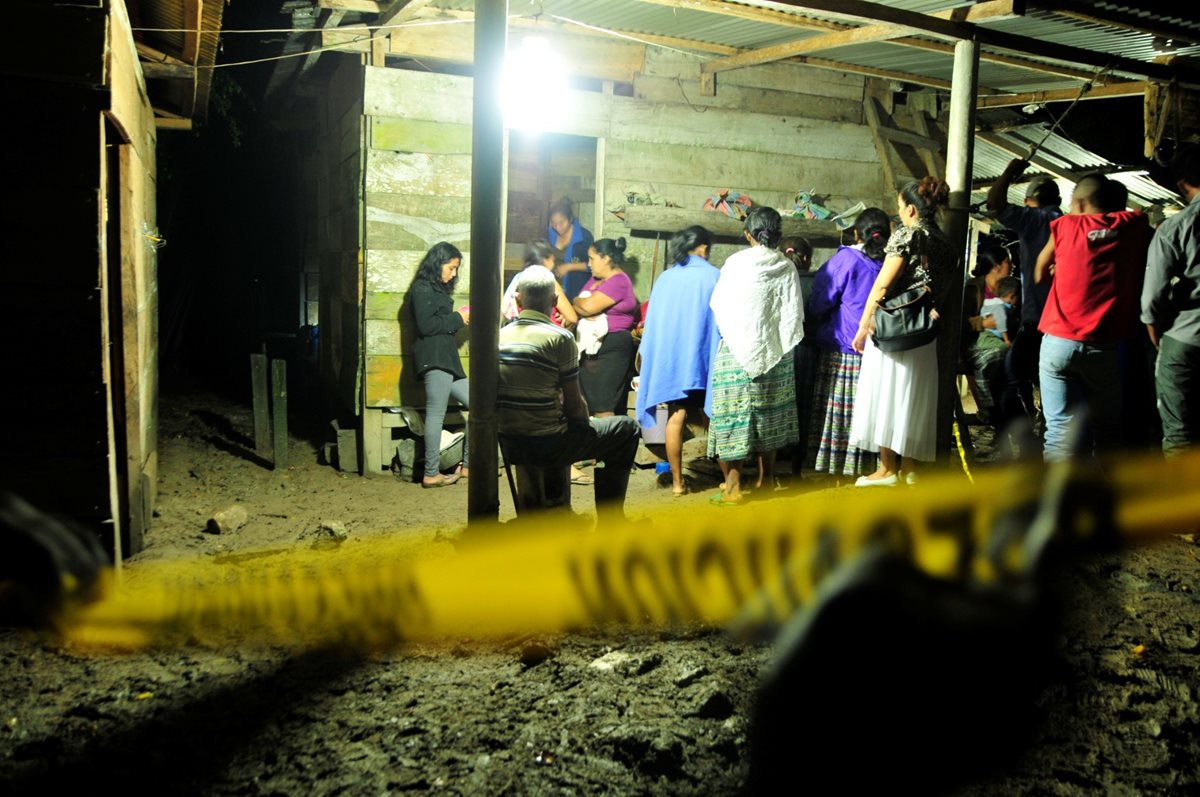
(833,310)
(751,399)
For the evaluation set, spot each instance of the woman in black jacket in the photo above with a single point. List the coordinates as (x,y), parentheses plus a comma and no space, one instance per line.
(436,351)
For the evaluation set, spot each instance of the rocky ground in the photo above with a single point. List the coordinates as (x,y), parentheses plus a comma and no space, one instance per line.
(605,712)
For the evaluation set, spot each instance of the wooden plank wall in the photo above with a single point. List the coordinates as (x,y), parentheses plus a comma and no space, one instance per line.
(62,299)
(130,111)
(769,132)
(417,192)
(339,219)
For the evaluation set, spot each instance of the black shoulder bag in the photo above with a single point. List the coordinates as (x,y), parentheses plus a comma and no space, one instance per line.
(906,321)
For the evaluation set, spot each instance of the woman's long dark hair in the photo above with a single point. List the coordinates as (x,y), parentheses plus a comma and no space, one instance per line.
(989,255)
(765,226)
(874,228)
(430,269)
(614,250)
(685,241)
(537,251)
(927,195)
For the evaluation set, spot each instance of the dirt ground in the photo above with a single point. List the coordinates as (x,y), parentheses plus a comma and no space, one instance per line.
(609,712)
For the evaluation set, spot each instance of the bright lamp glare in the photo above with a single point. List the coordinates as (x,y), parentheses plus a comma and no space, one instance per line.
(534,85)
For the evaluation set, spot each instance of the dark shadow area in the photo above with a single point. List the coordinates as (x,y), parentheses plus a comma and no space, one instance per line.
(185,749)
(223,427)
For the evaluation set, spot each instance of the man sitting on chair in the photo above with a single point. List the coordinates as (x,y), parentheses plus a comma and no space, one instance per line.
(540,411)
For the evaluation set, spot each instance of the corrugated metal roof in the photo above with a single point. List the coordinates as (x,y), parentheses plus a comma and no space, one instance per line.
(167,18)
(705,26)
(1066,156)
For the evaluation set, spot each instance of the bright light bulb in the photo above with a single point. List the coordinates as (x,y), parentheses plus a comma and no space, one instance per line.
(534,86)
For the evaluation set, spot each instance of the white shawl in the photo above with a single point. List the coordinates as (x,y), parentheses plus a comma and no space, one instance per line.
(758,307)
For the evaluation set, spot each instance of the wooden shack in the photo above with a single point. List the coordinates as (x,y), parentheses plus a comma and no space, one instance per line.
(79,289)
(393,165)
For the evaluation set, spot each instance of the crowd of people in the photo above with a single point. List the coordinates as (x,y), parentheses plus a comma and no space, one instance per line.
(774,355)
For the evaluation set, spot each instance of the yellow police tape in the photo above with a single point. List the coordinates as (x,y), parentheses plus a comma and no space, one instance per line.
(756,563)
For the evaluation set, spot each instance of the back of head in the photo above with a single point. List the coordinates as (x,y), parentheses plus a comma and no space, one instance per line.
(1114,196)
(797,250)
(874,228)
(765,226)
(535,289)
(1090,194)
(614,249)
(1044,192)
(1008,285)
(928,195)
(686,241)
(536,252)
(1185,166)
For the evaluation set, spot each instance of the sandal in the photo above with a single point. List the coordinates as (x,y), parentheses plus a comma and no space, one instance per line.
(440,481)
(582,479)
(719,500)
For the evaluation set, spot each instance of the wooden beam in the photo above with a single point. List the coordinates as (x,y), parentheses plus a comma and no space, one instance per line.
(172,124)
(995,9)
(937,25)
(934,161)
(153,70)
(158,56)
(332,20)
(361,6)
(912,139)
(1135,89)
(813,44)
(653,218)
(193,14)
(871,107)
(398,11)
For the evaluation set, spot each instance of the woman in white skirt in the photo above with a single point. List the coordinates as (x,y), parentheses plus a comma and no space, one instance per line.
(895,411)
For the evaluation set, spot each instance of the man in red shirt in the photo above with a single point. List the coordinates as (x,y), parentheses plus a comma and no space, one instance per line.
(1097,259)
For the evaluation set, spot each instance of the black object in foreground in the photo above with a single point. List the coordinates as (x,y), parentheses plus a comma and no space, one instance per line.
(45,564)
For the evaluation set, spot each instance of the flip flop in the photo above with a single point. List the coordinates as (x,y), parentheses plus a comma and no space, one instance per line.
(719,500)
(583,479)
(444,481)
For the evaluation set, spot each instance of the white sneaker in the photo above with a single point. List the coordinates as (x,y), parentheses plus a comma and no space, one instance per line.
(886,481)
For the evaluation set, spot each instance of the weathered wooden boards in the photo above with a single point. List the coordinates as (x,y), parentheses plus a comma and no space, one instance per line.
(668,220)
(339,219)
(767,131)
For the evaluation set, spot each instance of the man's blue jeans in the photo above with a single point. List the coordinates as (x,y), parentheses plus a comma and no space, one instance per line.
(1075,374)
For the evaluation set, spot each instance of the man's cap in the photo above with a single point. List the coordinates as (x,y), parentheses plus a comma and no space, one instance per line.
(1038,186)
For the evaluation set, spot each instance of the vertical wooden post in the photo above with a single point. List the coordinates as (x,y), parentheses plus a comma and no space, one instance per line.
(960,152)
(279,412)
(487,256)
(262,413)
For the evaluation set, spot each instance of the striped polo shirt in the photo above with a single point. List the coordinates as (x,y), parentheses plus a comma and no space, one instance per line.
(536,358)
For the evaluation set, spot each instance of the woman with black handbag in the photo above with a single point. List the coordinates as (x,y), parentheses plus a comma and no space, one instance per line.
(895,411)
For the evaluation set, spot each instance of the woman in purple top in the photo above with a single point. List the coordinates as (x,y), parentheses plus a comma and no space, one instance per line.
(835,306)
(606,350)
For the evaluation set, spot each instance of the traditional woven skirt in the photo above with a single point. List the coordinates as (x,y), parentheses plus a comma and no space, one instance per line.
(751,415)
(896,403)
(833,410)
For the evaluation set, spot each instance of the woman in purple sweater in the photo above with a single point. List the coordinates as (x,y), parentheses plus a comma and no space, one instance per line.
(835,306)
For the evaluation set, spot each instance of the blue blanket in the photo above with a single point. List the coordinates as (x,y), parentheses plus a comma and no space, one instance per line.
(680,338)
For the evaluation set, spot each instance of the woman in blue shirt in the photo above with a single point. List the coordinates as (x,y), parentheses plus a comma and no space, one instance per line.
(573,240)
